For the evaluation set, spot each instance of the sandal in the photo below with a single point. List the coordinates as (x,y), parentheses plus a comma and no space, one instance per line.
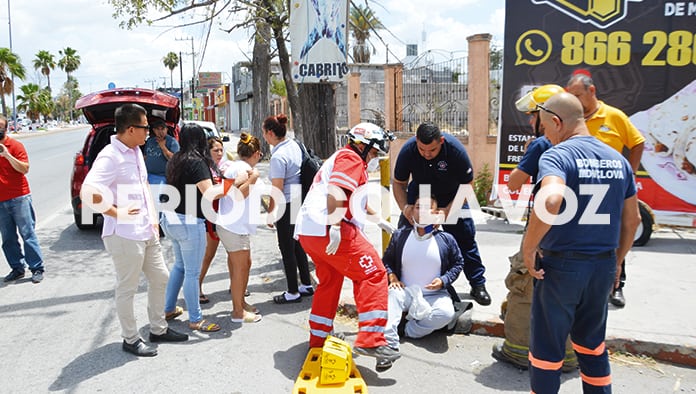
(283,299)
(247,318)
(173,314)
(251,308)
(202,299)
(308,292)
(204,326)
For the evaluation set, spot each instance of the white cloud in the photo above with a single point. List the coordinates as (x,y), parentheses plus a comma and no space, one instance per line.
(132,57)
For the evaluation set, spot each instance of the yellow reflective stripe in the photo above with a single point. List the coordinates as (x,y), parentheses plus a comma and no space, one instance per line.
(596,381)
(598,351)
(545,365)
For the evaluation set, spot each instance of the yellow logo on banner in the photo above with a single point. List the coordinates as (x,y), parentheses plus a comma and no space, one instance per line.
(601,13)
(533,48)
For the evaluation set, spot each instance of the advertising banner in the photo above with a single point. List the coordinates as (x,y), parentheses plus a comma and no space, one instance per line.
(642,57)
(318,37)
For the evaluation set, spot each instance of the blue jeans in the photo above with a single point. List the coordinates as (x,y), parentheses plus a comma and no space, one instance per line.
(189,242)
(17,216)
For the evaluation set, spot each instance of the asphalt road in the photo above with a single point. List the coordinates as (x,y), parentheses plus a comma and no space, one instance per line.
(63,335)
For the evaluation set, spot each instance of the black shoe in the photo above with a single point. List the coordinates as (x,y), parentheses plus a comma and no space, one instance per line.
(139,348)
(37,277)
(480,295)
(169,336)
(383,352)
(617,298)
(383,364)
(14,275)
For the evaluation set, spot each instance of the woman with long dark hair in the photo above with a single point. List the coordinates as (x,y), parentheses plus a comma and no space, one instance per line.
(286,161)
(188,168)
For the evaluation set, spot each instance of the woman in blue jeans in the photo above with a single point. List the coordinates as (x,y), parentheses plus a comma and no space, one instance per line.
(190,168)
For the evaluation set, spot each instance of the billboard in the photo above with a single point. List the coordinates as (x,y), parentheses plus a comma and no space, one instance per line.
(318,37)
(642,57)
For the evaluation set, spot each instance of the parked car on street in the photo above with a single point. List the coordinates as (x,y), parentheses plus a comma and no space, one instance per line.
(210,129)
(98,108)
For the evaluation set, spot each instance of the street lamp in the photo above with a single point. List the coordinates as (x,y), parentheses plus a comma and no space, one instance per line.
(14,108)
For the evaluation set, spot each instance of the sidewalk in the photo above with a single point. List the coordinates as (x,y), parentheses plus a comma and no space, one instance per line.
(657,320)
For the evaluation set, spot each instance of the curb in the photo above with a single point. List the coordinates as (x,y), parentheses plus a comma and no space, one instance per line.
(676,354)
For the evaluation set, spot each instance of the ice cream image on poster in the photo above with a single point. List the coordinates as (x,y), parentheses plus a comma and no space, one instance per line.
(669,129)
(327,26)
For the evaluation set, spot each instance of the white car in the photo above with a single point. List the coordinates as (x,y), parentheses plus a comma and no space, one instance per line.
(210,129)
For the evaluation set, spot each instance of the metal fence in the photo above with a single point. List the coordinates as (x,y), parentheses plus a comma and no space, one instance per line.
(436,93)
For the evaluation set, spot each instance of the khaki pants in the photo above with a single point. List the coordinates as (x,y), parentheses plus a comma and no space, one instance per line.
(519,304)
(130,258)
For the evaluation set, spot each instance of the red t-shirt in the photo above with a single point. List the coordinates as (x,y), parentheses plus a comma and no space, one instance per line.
(13,184)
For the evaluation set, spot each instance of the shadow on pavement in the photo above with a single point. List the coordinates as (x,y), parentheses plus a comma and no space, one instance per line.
(515,378)
(44,303)
(91,364)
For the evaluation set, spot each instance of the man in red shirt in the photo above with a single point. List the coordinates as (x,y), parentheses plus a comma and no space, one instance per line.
(16,211)
(331,234)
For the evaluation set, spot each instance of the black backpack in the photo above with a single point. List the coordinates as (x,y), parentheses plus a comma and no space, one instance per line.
(309,168)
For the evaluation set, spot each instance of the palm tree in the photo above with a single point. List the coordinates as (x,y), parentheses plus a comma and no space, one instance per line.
(362,21)
(171,61)
(69,62)
(30,100)
(45,62)
(10,64)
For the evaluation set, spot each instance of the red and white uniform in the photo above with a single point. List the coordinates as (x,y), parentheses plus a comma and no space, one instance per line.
(356,258)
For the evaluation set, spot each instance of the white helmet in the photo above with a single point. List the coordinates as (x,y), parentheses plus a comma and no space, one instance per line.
(371,135)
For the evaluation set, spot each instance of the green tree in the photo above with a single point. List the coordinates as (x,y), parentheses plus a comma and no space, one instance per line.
(10,64)
(69,62)
(30,101)
(171,61)
(65,102)
(363,21)
(45,62)
(496,58)
(47,104)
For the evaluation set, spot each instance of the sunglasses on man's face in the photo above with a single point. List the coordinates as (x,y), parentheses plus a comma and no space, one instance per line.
(541,107)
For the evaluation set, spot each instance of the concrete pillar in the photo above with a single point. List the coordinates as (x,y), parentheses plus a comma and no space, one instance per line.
(478,65)
(353,99)
(393,96)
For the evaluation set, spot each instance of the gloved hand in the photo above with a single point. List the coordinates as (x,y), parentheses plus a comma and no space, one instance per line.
(334,239)
(386,226)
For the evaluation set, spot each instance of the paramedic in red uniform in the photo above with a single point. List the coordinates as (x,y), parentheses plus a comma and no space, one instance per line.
(582,225)
(330,234)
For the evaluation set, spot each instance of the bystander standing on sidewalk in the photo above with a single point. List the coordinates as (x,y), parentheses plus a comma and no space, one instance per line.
(286,160)
(611,126)
(16,210)
(130,231)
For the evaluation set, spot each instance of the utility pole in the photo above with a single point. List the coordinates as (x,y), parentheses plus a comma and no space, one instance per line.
(181,87)
(151,82)
(14,106)
(193,70)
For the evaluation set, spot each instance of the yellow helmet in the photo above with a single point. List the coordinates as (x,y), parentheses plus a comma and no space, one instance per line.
(529,101)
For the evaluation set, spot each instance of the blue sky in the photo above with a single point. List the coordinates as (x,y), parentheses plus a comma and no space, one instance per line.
(134,58)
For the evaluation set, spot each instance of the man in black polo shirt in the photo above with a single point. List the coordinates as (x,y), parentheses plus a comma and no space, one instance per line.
(440,160)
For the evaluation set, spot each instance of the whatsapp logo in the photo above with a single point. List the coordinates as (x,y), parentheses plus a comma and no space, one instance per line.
(533,47)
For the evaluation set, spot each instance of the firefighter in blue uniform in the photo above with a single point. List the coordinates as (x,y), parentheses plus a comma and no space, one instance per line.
(584,218)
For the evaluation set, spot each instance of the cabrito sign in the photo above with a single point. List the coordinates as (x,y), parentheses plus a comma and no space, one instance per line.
(642,57)
(318,36)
